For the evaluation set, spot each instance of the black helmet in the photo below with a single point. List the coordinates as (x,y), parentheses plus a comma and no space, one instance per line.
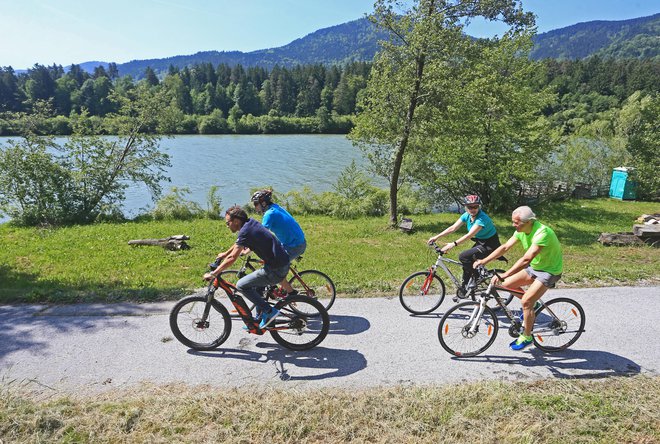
(262,196)
(471,199)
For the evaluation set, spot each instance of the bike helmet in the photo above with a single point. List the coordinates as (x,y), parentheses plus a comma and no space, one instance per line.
(262,196)
(471,199)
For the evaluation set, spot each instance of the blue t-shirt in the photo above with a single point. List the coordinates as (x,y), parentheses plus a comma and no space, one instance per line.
(257,238)
(481,219)
(285,227)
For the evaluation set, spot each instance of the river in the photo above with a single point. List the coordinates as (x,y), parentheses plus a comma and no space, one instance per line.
(238,163)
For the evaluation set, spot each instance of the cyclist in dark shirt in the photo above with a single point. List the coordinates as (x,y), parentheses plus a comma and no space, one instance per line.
(253,235)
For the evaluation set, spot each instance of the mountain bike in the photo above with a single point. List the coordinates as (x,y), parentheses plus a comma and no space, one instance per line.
(203,323)
(311,283)
(469,328)
(423,291)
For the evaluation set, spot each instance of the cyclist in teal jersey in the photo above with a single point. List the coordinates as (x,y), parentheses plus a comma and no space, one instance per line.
(481,231)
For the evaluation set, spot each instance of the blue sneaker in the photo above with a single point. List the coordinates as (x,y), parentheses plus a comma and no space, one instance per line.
(267,318)
(522,342)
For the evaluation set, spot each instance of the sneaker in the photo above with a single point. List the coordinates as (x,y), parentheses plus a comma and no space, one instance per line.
(522,342)
(267,318)
(537,305)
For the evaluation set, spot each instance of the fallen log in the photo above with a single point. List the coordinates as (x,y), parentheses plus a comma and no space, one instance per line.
(177,242)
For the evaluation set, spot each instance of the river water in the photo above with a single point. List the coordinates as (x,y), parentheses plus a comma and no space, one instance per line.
(238,163)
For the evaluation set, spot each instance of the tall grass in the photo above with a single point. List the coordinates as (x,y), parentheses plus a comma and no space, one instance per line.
(362,256)
(615,410)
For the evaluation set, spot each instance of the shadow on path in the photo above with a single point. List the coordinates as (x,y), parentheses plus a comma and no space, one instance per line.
(338,363)
(348,325)
(591,364)
(18,324)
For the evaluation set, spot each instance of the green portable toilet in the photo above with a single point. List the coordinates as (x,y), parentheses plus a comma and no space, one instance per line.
(622,186)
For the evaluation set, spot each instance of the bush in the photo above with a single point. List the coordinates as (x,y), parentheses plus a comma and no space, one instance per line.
(175,206)
(214,123)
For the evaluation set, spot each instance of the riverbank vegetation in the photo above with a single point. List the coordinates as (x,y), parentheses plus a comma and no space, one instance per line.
(85,263)
(615,409)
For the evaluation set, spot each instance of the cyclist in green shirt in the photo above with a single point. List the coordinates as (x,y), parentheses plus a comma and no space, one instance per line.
(540,267)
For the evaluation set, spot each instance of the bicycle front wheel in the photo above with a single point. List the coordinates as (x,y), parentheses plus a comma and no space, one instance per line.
(558,324)
(297,331)
(192,329)
(463,334)
(316,285)
(421,292)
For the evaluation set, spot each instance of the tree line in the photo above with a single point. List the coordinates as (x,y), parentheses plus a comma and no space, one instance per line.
(202,98)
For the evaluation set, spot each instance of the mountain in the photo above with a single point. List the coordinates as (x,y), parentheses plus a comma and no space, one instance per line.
(352,41)
(638,37)
(358,41)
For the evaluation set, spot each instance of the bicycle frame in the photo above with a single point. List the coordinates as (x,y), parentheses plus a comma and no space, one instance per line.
(440,262)
(249,260)
(239,304)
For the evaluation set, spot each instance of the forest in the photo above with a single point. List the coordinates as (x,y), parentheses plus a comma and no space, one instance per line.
(207,99)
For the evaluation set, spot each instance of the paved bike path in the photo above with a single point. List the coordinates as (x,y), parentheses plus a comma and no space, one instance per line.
(372,342)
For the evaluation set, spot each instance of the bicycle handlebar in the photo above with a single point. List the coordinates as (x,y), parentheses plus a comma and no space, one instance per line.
(436,248)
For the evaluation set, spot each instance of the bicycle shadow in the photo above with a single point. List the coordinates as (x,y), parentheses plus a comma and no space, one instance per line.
(339,363)
(592,364)
(348,325)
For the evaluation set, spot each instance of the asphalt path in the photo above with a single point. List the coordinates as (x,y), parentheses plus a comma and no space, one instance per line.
(372,342)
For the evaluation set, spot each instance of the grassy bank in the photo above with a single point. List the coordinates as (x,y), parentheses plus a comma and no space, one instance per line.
(615,410)
(363,256)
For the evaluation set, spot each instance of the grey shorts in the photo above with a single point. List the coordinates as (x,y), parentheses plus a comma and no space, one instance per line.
(547,279)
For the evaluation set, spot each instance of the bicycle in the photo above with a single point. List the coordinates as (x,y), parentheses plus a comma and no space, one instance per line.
(315,284)
(203,323)
(469,328)
(423,291)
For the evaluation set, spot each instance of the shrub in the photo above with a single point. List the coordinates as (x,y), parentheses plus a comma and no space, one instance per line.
(175,206)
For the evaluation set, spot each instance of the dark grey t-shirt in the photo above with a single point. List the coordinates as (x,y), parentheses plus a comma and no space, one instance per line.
(257,238)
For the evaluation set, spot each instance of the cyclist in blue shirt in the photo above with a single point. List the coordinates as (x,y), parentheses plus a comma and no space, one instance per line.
(253,235)
(480,229)
(285,227)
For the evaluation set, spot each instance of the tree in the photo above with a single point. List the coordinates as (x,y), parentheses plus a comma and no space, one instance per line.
(41,182)
(638,125)
(427,36)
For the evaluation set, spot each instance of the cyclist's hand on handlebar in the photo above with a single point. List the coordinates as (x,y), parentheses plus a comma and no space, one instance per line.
(478,263)
(447,247)
(245,251)
(208,276)
(431,240)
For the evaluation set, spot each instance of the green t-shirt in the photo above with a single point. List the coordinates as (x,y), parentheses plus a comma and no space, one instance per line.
(549,258)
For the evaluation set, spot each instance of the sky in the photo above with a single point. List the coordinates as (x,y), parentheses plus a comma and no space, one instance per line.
(78,31)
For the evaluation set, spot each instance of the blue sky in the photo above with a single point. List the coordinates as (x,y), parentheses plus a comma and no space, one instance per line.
(77,31)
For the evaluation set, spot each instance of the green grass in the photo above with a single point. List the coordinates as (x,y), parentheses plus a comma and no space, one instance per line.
(362,256)
(612,410)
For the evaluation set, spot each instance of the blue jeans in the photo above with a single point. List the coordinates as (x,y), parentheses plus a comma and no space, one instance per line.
(260,278)
(296,251)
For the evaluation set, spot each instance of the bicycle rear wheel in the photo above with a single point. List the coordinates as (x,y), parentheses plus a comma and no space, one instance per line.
(558,324)
(317,286)
(188,326)
(455,329)
(422,293)
(297,331)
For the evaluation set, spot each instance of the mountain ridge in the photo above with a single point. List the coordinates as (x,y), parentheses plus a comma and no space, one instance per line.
(357,40)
